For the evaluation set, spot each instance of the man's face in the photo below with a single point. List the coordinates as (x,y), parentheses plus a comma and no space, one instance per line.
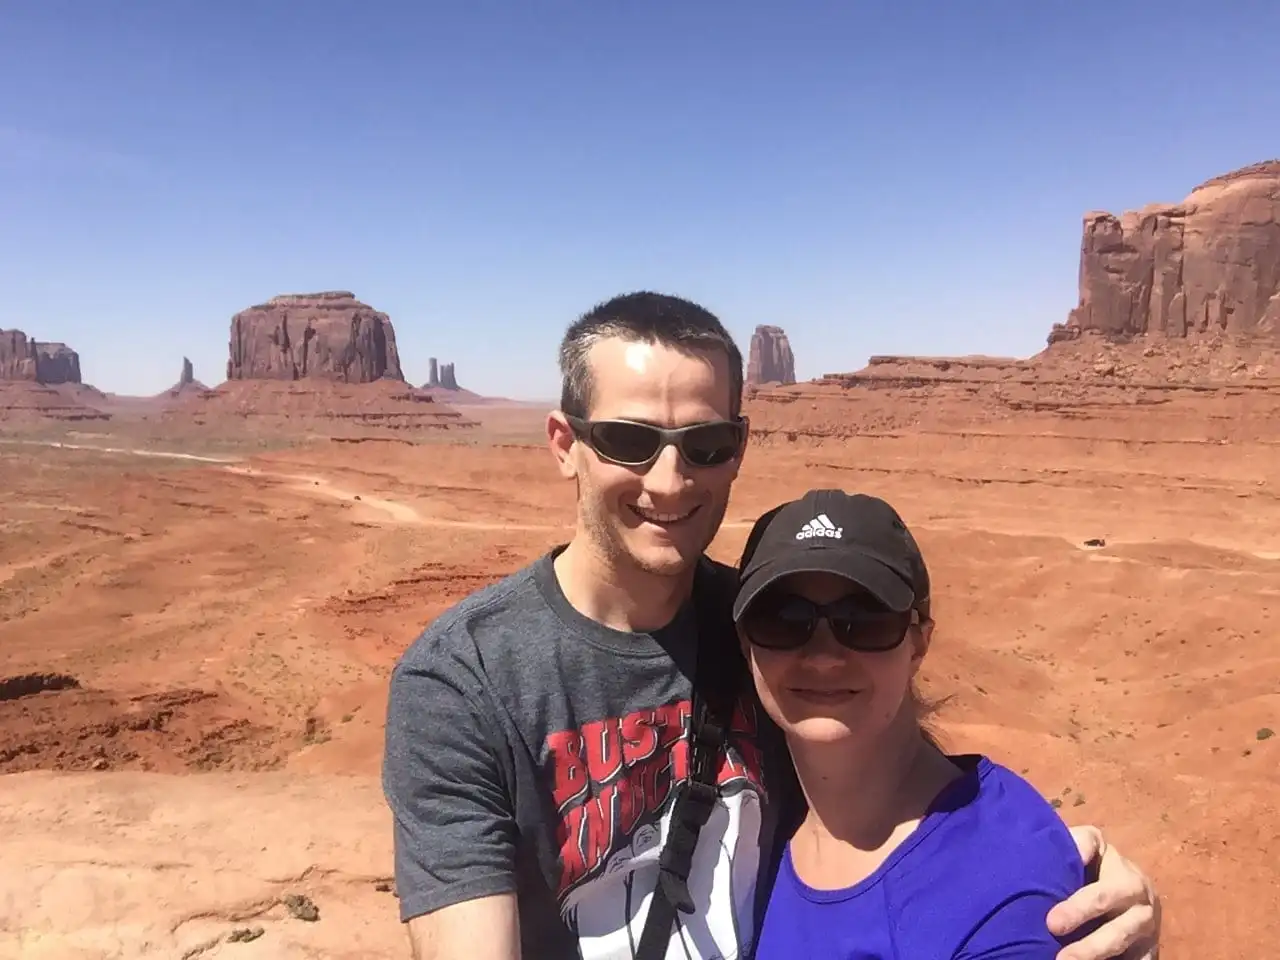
(660,518)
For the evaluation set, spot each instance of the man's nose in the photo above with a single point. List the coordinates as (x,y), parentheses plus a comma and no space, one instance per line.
(666,476)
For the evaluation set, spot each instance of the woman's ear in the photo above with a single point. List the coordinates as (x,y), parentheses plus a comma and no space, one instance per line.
(920,636)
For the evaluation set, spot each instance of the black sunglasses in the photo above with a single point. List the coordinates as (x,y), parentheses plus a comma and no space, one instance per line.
(632,444)
(784,621)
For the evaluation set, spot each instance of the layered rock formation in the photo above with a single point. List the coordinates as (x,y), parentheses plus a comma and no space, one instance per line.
(34,404)
(39,362)
(770,359)
(1168,390)
(335,409)
(1204,267)
(314,336)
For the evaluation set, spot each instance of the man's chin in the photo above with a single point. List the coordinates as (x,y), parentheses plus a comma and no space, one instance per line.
(669,565)
(668,559)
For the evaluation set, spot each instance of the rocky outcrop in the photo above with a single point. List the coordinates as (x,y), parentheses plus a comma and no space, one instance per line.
(313,336)
(1209,266)
(186,387)
(440,375)
(770,359)
(36,361)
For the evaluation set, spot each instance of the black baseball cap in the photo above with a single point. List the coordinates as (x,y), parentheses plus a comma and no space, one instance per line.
(856,536)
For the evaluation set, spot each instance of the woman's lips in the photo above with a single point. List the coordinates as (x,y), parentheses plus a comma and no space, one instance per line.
(824,696)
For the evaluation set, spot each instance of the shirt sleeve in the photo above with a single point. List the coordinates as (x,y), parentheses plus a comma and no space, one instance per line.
(1015,930)
(454,826)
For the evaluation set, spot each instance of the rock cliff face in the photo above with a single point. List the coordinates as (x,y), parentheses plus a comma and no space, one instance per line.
(770,359)
(1207,266)
(188,373)
(32,360)
(315,336)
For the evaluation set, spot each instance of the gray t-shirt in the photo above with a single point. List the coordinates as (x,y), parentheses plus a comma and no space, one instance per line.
(534,750)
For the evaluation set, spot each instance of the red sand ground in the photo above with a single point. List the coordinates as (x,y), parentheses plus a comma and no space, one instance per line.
(230,627)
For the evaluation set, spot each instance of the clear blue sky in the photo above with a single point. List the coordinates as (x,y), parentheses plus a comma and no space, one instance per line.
(875,177)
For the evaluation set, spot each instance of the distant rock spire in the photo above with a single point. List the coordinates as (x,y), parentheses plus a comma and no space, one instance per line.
(770,359)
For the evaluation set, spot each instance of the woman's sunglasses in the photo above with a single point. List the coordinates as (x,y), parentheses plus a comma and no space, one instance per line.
(784,621)
(631,444)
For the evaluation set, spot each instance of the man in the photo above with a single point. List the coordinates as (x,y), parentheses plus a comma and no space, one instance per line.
(536,730)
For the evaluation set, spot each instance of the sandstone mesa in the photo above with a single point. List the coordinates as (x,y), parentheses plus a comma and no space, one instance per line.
(313,336)
(36,361)
(1207,266)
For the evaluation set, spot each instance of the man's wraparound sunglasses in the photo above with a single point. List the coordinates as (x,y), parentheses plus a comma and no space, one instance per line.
(783,621)
(632,444)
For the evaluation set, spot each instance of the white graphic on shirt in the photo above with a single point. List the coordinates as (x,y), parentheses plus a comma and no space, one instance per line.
(612,779)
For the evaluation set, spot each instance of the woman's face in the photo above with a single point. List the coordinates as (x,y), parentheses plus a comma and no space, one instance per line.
(823,691)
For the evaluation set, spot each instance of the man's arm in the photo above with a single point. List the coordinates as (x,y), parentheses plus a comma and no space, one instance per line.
(453,818)
(487,928)
(1122,895)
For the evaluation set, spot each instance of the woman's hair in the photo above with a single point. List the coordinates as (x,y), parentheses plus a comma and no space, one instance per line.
(926,709)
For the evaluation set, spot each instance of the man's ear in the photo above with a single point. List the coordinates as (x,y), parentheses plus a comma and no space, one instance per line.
(561,440)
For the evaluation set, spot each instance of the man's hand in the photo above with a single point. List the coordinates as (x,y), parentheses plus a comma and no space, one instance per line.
(1122,894)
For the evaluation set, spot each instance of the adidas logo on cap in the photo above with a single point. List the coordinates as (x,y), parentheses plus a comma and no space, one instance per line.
(820,526)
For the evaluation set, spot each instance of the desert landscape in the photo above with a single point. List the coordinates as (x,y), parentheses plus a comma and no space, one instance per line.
(202,593)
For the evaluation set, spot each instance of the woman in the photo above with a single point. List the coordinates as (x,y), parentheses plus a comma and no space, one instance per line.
(903,851)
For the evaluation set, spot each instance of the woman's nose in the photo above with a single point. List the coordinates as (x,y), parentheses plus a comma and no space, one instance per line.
(823,649)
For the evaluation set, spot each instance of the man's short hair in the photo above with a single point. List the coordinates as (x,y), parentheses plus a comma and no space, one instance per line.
(642,317)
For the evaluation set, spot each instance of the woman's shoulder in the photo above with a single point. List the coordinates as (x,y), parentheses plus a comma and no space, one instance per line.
(993,816)
(993,858)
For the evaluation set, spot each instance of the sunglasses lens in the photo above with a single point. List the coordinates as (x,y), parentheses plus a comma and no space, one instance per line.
(786,622)
(712,444)
(871,631)
(779,622)
(621,442)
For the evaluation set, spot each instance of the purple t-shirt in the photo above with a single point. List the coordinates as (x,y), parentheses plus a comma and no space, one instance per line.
(976,879)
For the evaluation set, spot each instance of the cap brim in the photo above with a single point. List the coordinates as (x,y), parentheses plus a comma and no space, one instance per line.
(863,569)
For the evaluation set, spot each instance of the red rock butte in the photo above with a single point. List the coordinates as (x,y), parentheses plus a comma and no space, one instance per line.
(36,361)
(769,359)
(40,382)
(320,363)
(313,336)
(1209,265)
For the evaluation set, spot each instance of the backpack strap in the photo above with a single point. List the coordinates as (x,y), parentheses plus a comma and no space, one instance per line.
(718,673)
